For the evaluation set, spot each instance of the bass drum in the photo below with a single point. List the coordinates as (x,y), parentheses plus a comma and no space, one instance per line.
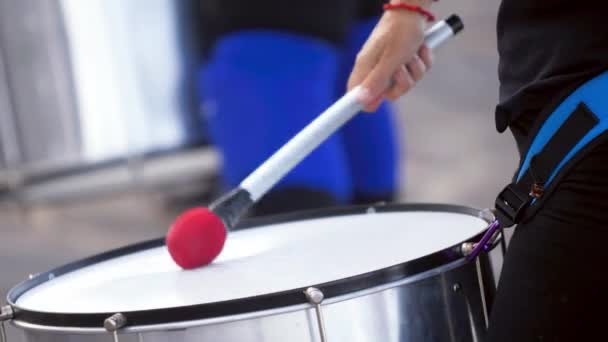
(383,273)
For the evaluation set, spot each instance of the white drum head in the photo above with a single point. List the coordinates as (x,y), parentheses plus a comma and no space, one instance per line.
(257,261)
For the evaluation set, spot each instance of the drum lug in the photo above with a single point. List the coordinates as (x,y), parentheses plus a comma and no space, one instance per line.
(315,297)
(113,323)
(467,248)
(6,314)
(487,215)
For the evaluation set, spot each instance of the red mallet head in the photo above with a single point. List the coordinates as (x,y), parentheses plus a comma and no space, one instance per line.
(196,238)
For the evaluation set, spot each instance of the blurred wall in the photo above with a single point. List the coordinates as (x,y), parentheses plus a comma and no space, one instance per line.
(453,152)
(7,139)
(41,124)
(87,81)
(128,68)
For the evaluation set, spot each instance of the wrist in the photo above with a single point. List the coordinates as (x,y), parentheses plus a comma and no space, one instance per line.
(402,6)
(426,4)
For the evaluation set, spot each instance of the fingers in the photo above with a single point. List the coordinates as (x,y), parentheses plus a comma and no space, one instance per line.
(403,81)
(365,62)
(379,68)
(416,68)
(409,74)
(361,69)
(426,55)
(377,83)
(383,65)
(373,105)
(383,82)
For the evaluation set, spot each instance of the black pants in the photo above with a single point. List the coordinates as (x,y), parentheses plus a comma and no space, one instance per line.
(553,285)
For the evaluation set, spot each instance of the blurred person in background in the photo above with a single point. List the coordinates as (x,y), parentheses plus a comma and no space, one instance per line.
(271,67)
(549,288)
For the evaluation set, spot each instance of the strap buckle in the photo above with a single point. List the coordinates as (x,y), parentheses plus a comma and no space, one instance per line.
(511,204)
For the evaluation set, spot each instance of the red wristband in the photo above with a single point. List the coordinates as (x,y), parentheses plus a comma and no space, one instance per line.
(412,8)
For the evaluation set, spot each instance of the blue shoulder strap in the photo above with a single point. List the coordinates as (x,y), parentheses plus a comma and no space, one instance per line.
(579,123)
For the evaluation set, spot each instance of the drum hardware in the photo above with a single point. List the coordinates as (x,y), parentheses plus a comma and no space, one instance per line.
(489,240)
(49,276)
(490,216)
(491,237)
(537,190)
(484,304)
(2,333)
(315,297)
(468,247)
(6,314)
(487,215)
(113,323)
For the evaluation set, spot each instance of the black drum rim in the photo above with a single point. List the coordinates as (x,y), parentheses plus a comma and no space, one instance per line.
(276,300)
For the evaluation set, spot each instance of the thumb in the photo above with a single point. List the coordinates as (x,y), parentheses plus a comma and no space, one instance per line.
(378,81)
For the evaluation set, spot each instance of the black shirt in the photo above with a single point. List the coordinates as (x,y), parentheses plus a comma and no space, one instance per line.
(546,47)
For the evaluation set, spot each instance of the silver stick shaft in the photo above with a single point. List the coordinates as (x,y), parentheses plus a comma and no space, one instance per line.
(309,138)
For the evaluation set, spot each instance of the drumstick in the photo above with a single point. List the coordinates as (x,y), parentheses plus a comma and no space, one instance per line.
(198,235)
